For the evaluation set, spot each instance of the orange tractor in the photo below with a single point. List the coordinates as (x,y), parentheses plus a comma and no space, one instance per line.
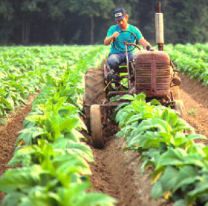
(150,72)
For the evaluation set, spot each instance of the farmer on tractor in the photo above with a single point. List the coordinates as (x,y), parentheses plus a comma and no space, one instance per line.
(120,33)
(149,72)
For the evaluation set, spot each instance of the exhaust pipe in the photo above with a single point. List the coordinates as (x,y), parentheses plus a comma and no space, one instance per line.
(159,26)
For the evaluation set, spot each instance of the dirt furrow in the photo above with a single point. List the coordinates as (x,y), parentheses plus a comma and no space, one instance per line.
(195,99)
(117,173)
(9,133)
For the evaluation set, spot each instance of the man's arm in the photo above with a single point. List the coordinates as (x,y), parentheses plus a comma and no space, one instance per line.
(145,43)
(108,40)
(141,39)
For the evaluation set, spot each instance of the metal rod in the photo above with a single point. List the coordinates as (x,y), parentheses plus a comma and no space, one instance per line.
(158,7)
(107,85)
(113,93)
(127,61)
(158,11)
(160,47)
(133,44)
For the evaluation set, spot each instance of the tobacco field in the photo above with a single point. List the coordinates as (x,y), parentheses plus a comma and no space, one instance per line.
(50,161)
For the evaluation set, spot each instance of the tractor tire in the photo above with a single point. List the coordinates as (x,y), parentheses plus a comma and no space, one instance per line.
(94,87)
(96,126)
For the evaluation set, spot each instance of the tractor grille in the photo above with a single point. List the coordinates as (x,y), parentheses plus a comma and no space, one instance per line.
(152,74)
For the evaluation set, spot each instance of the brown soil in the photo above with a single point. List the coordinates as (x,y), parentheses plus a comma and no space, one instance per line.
(117,173)
(195,98)
(9,133)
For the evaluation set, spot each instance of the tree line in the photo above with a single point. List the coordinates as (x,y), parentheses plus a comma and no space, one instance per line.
(86,21)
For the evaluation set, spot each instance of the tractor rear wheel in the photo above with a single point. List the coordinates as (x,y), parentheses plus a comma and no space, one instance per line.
(94,87)
(96,126)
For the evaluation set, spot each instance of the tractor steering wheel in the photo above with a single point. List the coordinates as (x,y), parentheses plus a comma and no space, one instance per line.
(130,41)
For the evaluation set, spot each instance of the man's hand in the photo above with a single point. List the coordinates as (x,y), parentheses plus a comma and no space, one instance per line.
(149,48)
(146,45)
(115,35)
(108,40)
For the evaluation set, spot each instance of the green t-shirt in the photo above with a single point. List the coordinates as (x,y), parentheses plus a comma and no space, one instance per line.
(124,36)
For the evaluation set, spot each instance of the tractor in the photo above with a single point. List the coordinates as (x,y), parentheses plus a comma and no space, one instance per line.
(150,72)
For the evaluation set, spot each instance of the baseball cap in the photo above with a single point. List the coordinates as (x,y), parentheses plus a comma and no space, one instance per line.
(119,13)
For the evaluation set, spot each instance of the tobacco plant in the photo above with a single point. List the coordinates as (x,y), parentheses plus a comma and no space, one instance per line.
(51,161)
(166,143)
(191,59)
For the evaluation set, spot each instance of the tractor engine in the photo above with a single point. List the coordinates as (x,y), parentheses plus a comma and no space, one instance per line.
(153,72)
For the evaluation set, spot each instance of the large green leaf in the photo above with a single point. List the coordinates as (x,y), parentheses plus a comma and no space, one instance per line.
(180,203)
(157,190)
(28,134)
(20,178)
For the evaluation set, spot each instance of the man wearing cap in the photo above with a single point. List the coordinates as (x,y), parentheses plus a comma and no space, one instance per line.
(116,56)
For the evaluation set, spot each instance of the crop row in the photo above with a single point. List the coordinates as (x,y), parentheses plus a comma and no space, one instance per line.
(51,163)
(191,59)
(24,70)
(178,165)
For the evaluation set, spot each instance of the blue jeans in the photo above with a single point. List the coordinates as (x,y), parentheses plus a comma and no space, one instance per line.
(114,60)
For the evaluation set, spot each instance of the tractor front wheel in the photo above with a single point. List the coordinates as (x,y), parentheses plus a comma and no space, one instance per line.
(96,126)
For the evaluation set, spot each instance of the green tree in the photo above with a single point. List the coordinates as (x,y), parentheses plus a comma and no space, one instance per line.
(57,13)
(92,9)
(187,21)
(25,12)
(6,17)
(77,21)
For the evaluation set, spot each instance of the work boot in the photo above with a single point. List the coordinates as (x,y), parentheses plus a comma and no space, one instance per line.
(112,76)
